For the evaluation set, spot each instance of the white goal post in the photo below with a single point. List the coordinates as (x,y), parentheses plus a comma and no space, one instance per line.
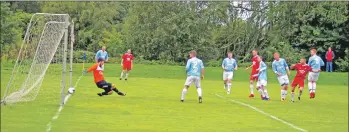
(42,46)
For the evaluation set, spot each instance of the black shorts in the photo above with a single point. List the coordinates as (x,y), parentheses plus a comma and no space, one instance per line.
(104,85)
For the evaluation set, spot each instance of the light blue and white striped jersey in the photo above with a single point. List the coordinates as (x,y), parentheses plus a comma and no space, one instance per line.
(280,66)
(315,62)
(194,66)
(229,64)
(262,71)
(102,54)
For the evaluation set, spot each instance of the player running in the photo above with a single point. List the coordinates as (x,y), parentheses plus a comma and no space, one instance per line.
(254,66)
(229,64)
(315,62)
(280,68)
(102,54)
(194,69)
(126,64)
(99,79)
(262,79)
(302,71)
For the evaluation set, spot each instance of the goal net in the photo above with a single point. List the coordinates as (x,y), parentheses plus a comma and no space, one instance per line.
(43,51)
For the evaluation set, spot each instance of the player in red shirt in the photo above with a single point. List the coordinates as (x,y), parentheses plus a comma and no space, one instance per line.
(126,64)
(254,73)
(302,71)
(97,70)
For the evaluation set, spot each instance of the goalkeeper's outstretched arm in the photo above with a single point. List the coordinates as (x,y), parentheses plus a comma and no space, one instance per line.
(92,68)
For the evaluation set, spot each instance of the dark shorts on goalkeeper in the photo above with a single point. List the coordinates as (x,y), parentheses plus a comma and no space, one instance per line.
(104,85)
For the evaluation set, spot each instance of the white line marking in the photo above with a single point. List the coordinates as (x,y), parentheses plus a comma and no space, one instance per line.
(264,113)
(66,98)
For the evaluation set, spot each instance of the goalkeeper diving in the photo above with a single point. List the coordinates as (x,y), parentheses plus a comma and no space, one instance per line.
(99,79)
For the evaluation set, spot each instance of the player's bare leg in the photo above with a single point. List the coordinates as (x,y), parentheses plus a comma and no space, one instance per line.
(300,93)
(184,92)
(251,89)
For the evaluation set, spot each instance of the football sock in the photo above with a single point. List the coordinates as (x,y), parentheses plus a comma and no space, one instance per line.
(310,86)
(229,86)
(126,75)
(115,90)
(266,93)
(260,91)
(251,88)
(283,94)
(122,74)
(292,95)
(314,86)
(199,92)
(105,93)
(300,93)
(225,85)
(184,92)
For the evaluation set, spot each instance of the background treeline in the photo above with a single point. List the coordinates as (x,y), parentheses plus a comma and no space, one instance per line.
(164,32)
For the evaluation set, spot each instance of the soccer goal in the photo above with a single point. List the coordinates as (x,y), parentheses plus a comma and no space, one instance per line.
(43,51)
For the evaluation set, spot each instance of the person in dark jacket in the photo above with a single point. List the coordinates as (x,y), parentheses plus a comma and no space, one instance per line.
(329,58)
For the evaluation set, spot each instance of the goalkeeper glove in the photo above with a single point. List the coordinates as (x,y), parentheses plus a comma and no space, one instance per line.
(84,72)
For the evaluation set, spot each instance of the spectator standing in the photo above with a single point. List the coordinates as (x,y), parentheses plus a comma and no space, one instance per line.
(329,58)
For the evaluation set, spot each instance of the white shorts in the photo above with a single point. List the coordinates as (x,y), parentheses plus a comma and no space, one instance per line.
(193,79)
(283,80)
(228,75)
(313,76)
(261,83)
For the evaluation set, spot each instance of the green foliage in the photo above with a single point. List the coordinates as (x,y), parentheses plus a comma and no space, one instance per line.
(343,63)
(13,25)
(78,56)
(164,32)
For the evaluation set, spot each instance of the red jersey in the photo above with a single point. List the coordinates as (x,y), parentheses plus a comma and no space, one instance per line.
(255,65)
(97,72)
(302,70)
(127,59)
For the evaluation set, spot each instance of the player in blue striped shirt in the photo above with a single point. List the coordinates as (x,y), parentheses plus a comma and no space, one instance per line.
(228,65)
(262,79)
(195,70)
(102,54)
(280,68)
(315,62)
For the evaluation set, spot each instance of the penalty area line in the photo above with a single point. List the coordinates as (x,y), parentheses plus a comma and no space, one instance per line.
(264,113)
(66,98)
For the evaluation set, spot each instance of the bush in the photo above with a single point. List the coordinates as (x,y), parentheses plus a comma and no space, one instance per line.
(343,64)
(78,56)
(213,63)
(114,60)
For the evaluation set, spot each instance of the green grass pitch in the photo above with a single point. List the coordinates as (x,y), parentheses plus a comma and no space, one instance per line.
(153,104)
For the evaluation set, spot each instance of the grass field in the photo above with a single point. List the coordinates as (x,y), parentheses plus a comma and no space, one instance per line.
(152,105)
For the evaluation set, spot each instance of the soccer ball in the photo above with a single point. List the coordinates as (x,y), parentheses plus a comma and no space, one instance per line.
(71,90)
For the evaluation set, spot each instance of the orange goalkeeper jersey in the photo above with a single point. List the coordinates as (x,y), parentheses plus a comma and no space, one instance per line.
(97,72)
